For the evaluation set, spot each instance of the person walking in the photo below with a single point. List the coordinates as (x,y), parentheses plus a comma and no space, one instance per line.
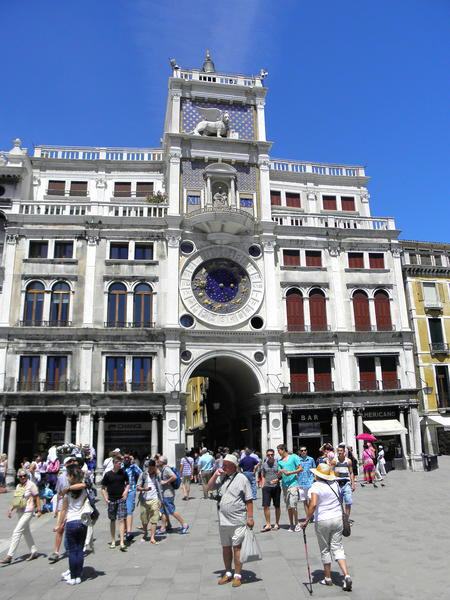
(325,505)
(133,472)
(248,465)
(187,474)
(305,477)
(271,491)
(3,467)
(115,486)
(25,501)
(235,511)
(354,460)
(342,467)
(205,470)
(380,469)
(368,458)
(289,468)
(148,487)
(62,484)
(168,477)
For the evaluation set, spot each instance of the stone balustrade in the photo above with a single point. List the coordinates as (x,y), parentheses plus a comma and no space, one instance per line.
(292,166)
(334,221)
(93,209)
(98,153)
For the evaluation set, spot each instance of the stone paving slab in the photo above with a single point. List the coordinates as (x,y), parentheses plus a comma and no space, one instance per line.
(397,551)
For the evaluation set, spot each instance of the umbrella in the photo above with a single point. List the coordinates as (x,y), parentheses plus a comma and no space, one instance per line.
(366,437)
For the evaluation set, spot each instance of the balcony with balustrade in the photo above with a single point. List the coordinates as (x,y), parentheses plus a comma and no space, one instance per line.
(376,224)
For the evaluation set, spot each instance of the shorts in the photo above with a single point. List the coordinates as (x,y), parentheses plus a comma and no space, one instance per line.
(303,494)
(131,502)
(150,512)
(271,493)
(232,535)
(291,496)
(186,479)
(169,505)
(117,510)
(347,494)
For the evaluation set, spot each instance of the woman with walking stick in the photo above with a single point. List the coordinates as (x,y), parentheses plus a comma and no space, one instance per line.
(325,505)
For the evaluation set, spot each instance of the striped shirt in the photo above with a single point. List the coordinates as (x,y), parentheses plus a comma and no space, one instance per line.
(187,464)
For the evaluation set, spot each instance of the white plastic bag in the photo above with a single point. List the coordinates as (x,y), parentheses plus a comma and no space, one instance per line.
(250,550)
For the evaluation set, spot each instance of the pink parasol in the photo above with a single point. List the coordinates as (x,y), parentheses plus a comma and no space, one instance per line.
(366,437)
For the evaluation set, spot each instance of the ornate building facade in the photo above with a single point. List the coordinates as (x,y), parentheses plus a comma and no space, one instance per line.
(126,272)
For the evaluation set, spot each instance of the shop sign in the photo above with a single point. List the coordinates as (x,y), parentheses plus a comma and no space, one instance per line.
(133,426)
(382,413)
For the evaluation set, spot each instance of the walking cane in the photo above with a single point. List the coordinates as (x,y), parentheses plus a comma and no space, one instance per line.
(307,562)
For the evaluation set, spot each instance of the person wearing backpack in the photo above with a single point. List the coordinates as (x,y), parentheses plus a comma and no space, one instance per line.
(170,481)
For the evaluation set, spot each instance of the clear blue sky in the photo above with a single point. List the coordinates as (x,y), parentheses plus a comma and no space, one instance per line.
(350,82)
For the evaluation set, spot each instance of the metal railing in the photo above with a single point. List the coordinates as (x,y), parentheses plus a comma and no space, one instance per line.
(128,386)
(42,386)
(310,386)
(296,328)
(130,325)
(439,348)
(370,384)
(39,323)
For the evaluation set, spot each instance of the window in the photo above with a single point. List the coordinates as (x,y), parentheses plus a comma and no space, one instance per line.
(317,310)
(115,374)
(322,374)
(78,188)
(442,385)
(63,249)
(34,304)
(389,372)
(56,187)
(117,305)
(425,259)
(294,311)
(144,189)
(122,189)
(383,311)
(293,200)
(348,203)
(29,373)
(356,260)
(59,304)
(313,258)
(193,200)
(413,258)
(430,294)
(246,202)
(142,306)
(38,250)
(291,258)
(118,250)
(329,202)
(367,374)
(436,335)
(376,261)
(361,311)
(142,374)
(298,368)
(143,252)
(275,198)
(438,260)
(56,379)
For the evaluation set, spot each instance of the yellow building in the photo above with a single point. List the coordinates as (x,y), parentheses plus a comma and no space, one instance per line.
(426,271)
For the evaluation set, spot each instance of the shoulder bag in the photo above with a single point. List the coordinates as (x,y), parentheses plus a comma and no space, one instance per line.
(346,528)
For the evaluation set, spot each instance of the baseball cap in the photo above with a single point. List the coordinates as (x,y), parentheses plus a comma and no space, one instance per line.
(69,459)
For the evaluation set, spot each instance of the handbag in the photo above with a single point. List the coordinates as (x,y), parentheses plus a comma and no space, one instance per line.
(19,502)
(346,528)
(250,550)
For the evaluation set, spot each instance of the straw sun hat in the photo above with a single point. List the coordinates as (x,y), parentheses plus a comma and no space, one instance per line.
(323,471)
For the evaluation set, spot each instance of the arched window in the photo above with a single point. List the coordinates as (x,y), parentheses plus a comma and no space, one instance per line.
(34,304)
(142,305)
(59,304)
(294,310)
(383,311)
(117,305)
(317,310)
(361,311)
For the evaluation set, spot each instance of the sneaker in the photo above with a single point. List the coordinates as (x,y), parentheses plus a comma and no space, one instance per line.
(123,548)
(112,545)
(66,574)
(54,557)
(291,529)
(6,561)
(184,529)
(298,528)
(347,585)
(75,581)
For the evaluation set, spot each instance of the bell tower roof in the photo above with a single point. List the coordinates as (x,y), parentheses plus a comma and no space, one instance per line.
(208,64)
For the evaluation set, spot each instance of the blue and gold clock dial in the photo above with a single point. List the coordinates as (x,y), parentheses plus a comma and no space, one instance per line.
(221,285)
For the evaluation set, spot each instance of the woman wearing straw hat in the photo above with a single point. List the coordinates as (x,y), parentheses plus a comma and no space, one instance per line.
(325,505)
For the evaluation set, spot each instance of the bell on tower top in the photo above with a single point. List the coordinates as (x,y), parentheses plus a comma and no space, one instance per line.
(208,65)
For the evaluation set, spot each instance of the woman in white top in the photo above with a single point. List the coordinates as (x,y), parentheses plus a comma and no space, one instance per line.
(325,505)
(70,520)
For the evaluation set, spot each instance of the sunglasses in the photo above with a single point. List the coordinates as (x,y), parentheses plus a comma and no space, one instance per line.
(271,454)
(23,477)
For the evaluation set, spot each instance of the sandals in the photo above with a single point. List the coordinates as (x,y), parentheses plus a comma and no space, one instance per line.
(276,527)
(266,528)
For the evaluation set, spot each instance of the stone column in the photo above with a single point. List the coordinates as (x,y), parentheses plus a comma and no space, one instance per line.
(403,435)
(154,438)
(100,446)
(11,471)
(2,431)
(9,254)
(360,430)
(260,119)
(68,429)
(289,431)
(271,285)
(172,433)
(264,433)
(334,429)
(175,121)
(264,178)
(171,283)
(93,239)
(348,433)
(276,434)
(416,457)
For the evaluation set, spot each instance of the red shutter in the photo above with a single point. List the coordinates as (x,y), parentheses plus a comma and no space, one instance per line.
(122,189)
(299,374)
(356,260)
(317,311)
(383,311)
(329,202)
(361,311)
(348,203)
(78,188)
(367,375)
(275,198)
(56,188)
(313,258)
(291,258)
(292,200)
(322,375)
(144,188)
(389,372)
(376,261)
(294,310)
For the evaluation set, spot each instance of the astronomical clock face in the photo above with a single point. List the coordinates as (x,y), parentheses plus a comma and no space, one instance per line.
(221,286)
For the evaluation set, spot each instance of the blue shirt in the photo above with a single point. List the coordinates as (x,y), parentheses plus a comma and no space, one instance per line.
(291,463)
(206,462)
(248,463)
(133,472)
(305,477)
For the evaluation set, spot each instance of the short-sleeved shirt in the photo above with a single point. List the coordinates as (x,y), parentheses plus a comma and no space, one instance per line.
(206,462)
(31,491)
(115,483)
(270,473)
(167,489)
(328,505)
(305,477)
(150,481)
(235,491)
(187,463)
(248,463)
(133,472)
(291,463)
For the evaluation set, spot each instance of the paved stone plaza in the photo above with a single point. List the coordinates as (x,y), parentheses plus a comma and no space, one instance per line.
(397,550)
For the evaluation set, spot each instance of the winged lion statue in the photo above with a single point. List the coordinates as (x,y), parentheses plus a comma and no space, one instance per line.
(216,122)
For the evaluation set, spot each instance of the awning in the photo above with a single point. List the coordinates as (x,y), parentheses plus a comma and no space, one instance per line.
(388,427)
(438,420)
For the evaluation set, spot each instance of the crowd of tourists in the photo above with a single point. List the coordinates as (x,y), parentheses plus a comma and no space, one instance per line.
(63,482)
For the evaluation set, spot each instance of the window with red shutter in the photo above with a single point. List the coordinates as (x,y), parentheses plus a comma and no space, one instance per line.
(356,260)
(313,258)
(291,258)
(322,374)
(361,311)
(348,203)
(275,198)
(317,310)
(367,375)
(78,188)
(389,372)
(383,311)
(122,189)
(329,202)
(294,311)
(293,200)
(56,188)
(299,374)
(376,261)
(144,188)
